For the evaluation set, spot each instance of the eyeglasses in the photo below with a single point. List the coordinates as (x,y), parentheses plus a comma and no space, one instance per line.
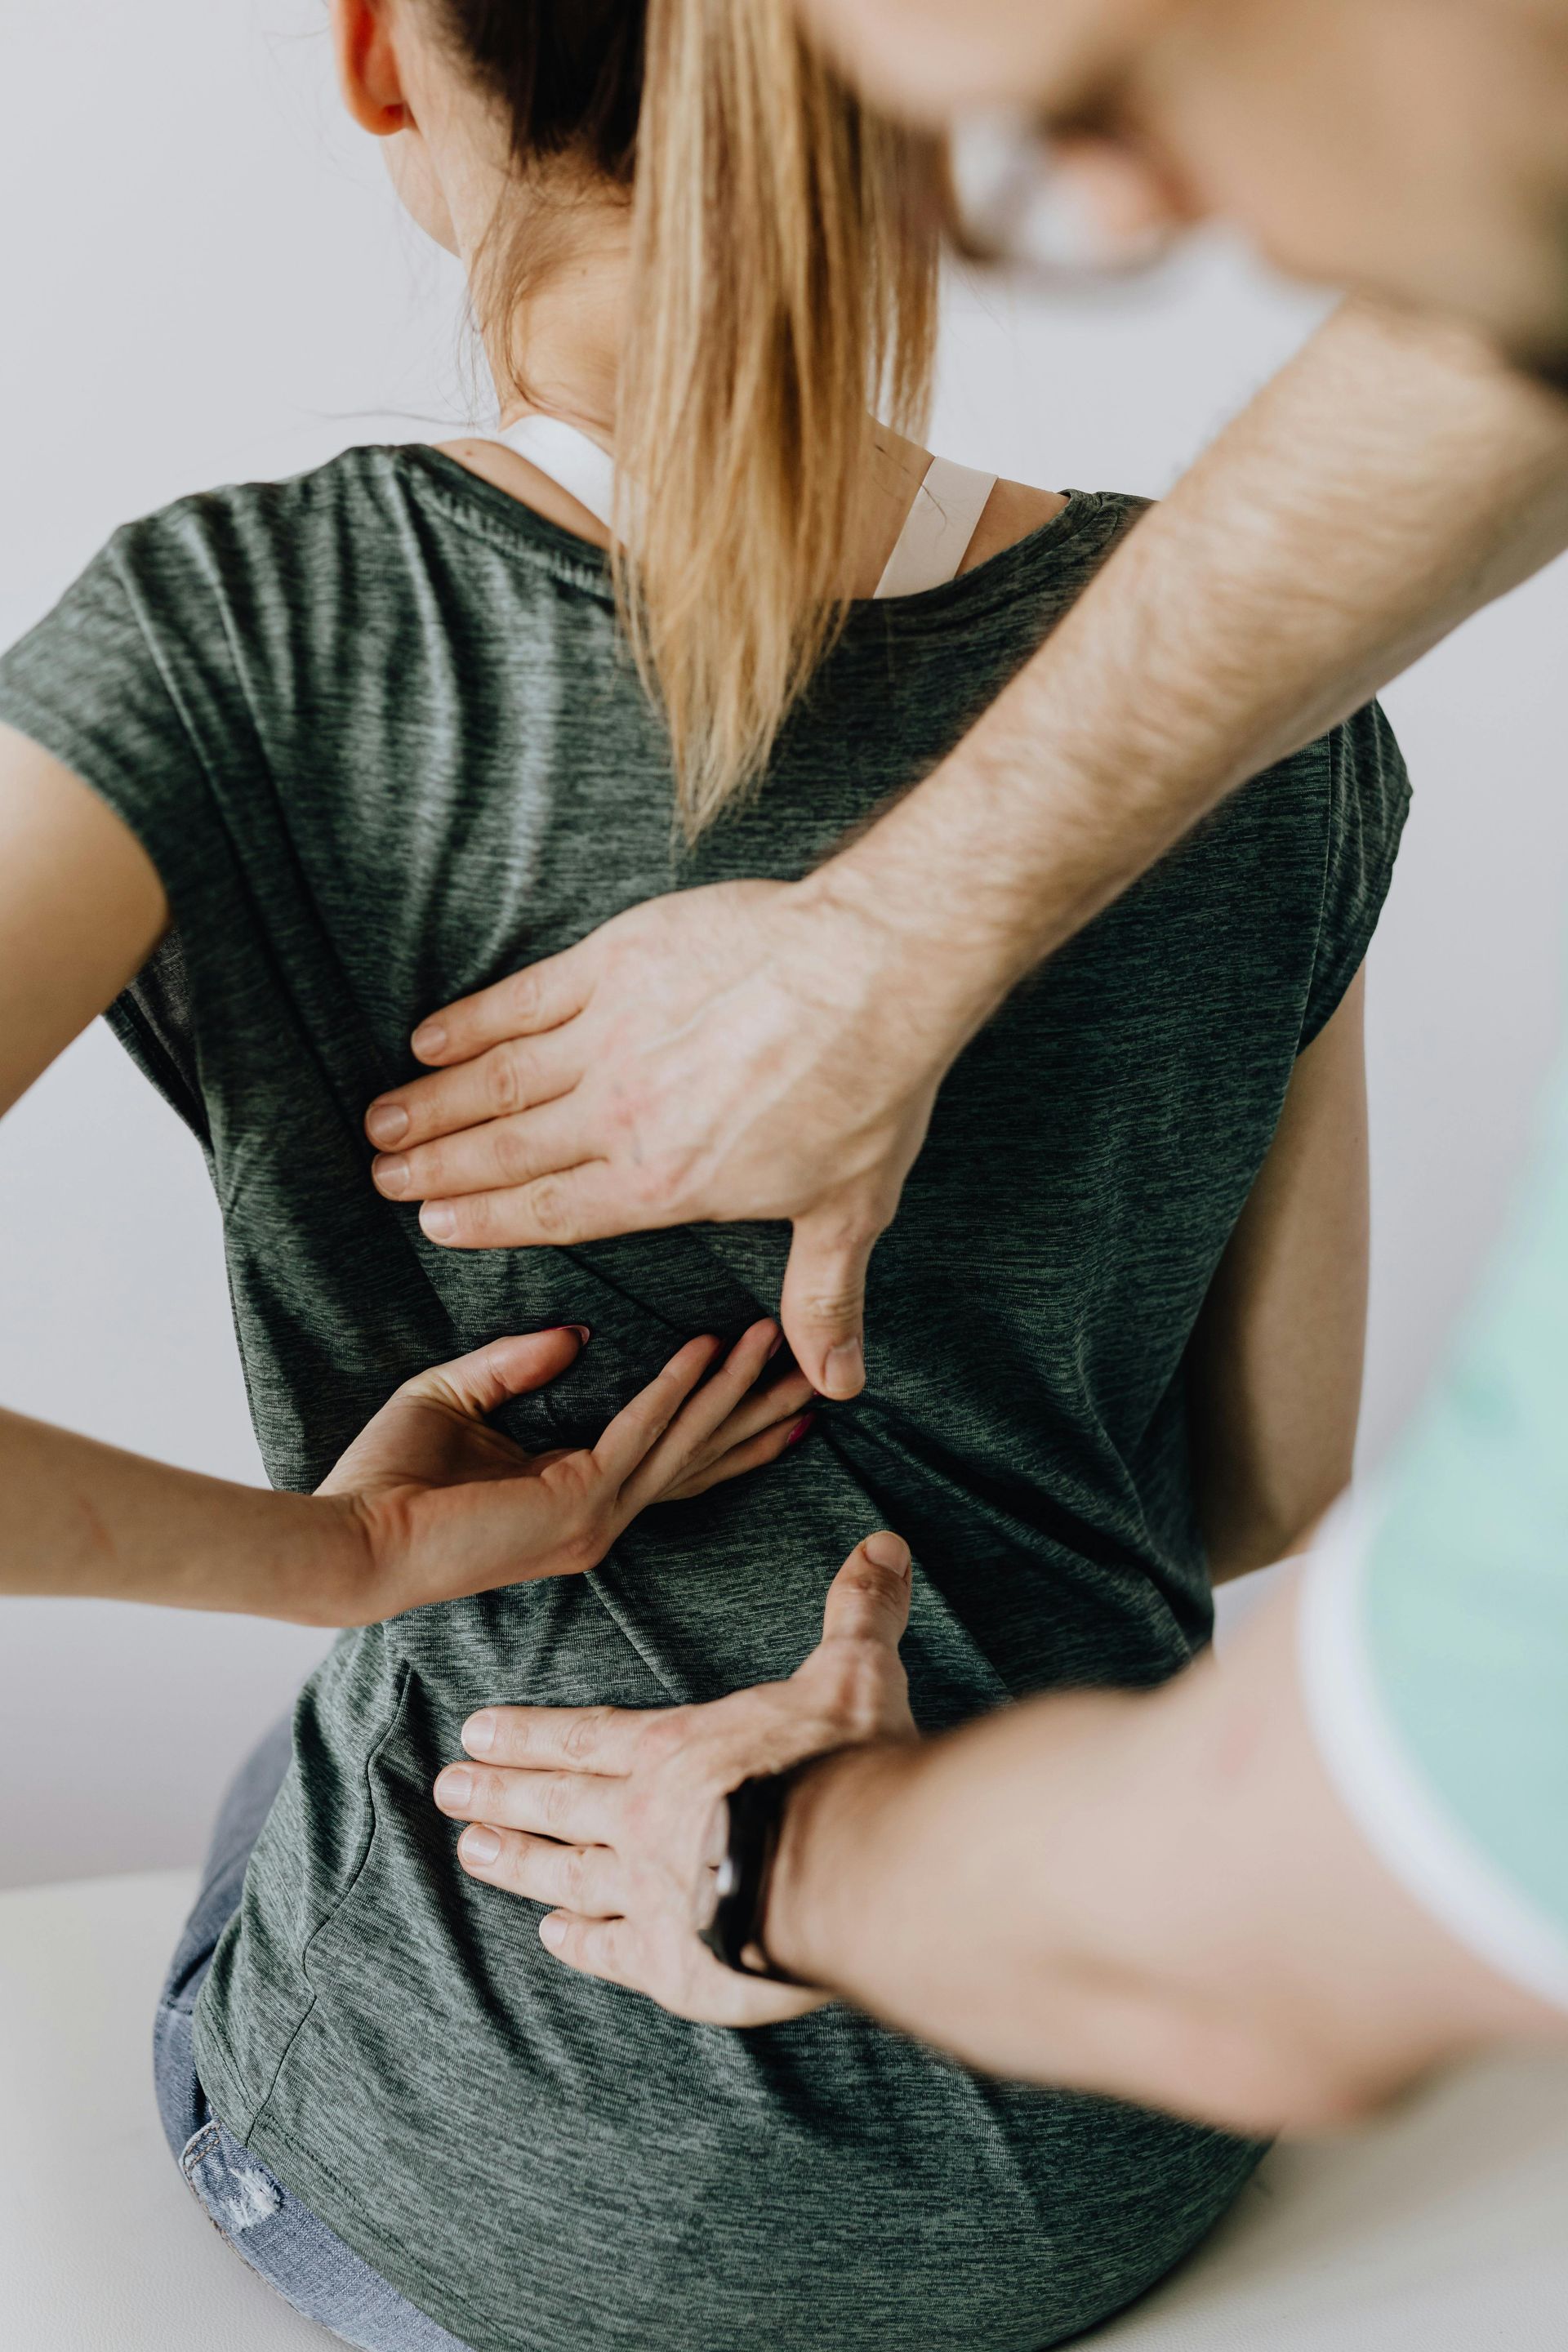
(1014,204)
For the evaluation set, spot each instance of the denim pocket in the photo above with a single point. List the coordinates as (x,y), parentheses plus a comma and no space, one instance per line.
(235,2191)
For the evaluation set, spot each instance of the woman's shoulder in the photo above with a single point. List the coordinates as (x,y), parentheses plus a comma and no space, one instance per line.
(268,514)
(311,555)
(357,527)
(1047,545)
(156,653)
(1032,554)
(1014,512)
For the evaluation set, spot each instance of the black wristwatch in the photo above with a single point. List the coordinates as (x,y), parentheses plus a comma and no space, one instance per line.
(736,1895)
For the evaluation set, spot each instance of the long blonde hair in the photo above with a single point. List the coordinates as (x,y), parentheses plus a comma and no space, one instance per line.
(784,251)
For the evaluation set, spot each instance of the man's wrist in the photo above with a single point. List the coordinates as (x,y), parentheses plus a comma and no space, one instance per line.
(831,1830)
(935,985)
(988,866)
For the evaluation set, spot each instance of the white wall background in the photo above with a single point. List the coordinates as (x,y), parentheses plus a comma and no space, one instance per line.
(203,277)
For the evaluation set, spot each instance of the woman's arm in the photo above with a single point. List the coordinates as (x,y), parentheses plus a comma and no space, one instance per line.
(428,1504)
(430,1501)
(1276,1363)
(82,908)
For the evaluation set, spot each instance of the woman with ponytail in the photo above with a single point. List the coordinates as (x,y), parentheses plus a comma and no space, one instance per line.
(323,754)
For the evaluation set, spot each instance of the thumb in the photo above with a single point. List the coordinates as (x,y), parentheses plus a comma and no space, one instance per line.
(478,1384)
(868,1600)
(823,1309)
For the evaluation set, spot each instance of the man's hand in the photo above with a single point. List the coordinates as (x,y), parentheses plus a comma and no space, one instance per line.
(611,1817)
(443,1506)
(773,1050)
(753,1049)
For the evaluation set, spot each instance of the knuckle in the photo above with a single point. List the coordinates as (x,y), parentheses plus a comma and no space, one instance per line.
(502,1084)
(549,1206)
(511,1870)
(865,1695)
(583,1733)
(512,1162)
(513,1734)
(523,996)
(839,1683)
(481,1220)
(868,1581)
(587,1539)
(424,1168)
(853,1689)
(554,1803)
(836,1292)
(860,1603)
(835,1304)
(661,1741)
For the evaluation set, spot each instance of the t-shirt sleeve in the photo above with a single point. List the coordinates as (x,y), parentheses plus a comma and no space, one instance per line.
(89,685)
(1369,798)
(1436,1657)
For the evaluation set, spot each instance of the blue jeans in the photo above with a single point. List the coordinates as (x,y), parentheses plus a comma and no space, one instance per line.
(277,2236)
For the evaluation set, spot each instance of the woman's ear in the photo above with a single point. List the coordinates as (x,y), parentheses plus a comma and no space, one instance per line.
(367,67)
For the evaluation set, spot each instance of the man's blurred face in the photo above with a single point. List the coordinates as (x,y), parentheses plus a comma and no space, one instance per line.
(1416,148)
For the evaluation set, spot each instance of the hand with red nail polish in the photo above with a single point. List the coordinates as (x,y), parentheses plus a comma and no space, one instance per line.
(442,1506)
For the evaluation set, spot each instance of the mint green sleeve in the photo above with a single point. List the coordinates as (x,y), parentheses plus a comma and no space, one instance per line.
(1459,1609)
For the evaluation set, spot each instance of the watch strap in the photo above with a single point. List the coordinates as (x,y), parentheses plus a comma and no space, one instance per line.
(734,1934)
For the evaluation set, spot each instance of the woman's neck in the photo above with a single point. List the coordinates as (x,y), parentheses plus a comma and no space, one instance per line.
(563,351)
(562,357)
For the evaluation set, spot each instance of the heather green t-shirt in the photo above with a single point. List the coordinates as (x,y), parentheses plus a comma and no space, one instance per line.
(378,732)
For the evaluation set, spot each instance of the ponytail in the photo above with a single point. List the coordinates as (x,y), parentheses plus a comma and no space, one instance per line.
(784,254)
(784,250)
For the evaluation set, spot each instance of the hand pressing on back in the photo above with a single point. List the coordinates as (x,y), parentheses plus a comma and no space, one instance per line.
(746,1050)
(441,1505)
(613,1819)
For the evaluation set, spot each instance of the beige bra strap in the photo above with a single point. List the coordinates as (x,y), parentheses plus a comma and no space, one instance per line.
(937,530)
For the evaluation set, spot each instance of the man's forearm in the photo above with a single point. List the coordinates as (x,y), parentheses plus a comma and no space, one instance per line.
(1153,1895)
(1390,482)
(85,1520)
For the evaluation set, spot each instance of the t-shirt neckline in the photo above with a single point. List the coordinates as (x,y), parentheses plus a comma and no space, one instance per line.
(478,503)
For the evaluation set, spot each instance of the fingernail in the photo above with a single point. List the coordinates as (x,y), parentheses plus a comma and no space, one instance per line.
(799,1431)
(437,1221)
(773,1352)
(845,1370)
(428,1040)
(480,1846)
(887,1551)
(552,1931)
(390,1175)
(581,1330)
(454,1788)
(386,1123)
(480,1734)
